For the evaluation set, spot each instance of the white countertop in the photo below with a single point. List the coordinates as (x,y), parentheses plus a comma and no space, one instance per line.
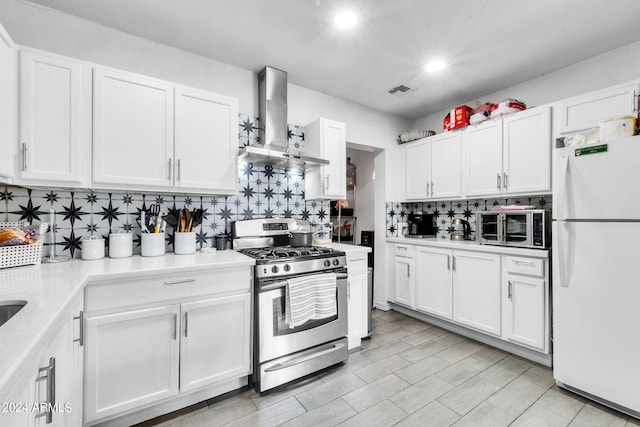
(50,289)
(348,248)
(470,245)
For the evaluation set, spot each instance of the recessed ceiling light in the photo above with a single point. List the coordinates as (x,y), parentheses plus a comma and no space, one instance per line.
(345,20)
(436,65)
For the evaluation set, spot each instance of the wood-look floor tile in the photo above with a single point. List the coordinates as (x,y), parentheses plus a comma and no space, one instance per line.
(468,395)
(371,394)
(517,396)
(486,415)
(329,390)
(435,414)
(461,371)
(420,394)
(505,371)
(327,415)
(272,415)
(422,369)
(592,416)
(384,413)
(382,368)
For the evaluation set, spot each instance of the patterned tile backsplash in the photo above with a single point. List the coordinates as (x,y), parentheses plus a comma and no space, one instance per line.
(263,192)
(446,211)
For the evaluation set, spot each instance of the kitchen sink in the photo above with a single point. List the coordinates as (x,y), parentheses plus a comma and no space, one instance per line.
(8,309)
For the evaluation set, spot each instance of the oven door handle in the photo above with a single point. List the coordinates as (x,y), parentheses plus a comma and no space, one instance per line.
(298,360)
(283,283)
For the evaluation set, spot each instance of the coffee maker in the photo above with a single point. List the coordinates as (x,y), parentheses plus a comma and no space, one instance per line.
(422,225)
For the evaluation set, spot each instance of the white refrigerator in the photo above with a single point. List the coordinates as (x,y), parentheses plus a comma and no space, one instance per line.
(596,271)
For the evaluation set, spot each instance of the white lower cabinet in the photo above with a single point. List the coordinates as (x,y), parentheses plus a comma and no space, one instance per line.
(131,359)
(525,302)
(357,298)
(476,291)
(403,271)
(152,340)
(433,281)
(215,342)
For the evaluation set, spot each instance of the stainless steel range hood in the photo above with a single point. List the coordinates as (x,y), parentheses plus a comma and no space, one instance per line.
(273,147)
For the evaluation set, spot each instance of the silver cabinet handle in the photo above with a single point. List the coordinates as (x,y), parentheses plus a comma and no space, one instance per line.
(348,290)
(521,261)
(186,324)
(504,180)
(24,157)
(404,248)
(498,183)
(408,270)
(432,188)
(80,318)
(179,174)
(50,377)
(170,167)
(635,101)
(326,182)
(175,327)
(177,282)
(448,262)
(453,262)
(427,188)
(509,289)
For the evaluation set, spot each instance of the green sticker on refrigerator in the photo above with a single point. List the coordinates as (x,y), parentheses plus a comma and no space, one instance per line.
(602,148)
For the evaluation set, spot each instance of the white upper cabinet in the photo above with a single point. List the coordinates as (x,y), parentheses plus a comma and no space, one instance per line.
(482,159)
(526,160)
(150,134)
(418,171)
(133,130)
(326,139)
(588,110)
(511,155)
(433,167)
(8,106)
(206,141)
(52,120)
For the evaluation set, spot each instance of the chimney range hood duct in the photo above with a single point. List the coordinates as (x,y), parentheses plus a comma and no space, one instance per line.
(273,147)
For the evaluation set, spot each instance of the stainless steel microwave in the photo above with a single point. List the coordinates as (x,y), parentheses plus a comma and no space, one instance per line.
(525,228)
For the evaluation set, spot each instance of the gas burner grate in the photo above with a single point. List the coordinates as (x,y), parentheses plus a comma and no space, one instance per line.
(285,252)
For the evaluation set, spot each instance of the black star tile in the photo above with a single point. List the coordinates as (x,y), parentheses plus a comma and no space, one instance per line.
(201,238)
(268,172)
(73,213)
(225,213)
(51,197)
(268,213)
(110,213)
(6,194)
(72,243)
(91,198)
(29,212)
(247,192)
(247,213)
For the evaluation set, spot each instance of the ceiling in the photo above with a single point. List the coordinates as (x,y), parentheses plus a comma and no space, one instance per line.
(489,45)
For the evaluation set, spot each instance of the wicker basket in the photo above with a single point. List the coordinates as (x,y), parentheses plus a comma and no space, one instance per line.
(12,256)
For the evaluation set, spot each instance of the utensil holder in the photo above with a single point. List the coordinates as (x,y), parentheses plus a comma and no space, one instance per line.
(152,244)
(184,243)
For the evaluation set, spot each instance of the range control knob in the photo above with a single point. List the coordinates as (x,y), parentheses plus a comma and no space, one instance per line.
(336,261)
(287,267)
(327,263)
(274,269)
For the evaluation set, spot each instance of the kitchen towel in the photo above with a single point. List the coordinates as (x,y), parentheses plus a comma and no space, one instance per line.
(310,297)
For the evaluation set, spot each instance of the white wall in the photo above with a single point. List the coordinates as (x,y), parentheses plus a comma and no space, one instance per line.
(365,190)
(608,69)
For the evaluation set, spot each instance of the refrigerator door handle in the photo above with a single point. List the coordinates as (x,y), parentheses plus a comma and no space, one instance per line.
(562,187)
(563,258)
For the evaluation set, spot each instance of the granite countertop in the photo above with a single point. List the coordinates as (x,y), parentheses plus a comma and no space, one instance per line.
(470,245)
(49,290)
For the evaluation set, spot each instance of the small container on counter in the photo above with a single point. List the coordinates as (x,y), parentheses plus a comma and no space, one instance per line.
(120,245)
(92,248)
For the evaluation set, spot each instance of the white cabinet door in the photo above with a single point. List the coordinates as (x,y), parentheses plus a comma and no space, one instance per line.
(131,358)
(524,310)
(476,291)
(17,410)
(433,281)
(404,281)
(482,159)
(215,343)
(8,106)
(206,141)
(50,120)
(356,306)
(55,370)
(76,376)
(133,131)
(327,139)
(587,111)
(418,169)
(446,176)
(527,151)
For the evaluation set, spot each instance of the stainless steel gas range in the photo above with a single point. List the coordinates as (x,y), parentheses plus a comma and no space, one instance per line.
(282,351)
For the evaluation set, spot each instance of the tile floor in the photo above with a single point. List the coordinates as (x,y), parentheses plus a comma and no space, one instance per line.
(410,374)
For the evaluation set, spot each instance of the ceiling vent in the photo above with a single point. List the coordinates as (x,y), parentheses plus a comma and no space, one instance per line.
(401,90)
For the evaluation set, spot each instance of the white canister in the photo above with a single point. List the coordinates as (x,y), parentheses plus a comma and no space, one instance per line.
(120,245)
(184,243)
(152,244)
(92,248)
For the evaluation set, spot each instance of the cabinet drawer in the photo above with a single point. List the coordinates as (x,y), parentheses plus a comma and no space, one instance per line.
(404,250)
(527,266)
(165,287)
(357,263)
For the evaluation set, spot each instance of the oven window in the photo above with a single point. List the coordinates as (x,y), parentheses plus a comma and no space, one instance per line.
(515,228)
(280,326)
(489,227)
